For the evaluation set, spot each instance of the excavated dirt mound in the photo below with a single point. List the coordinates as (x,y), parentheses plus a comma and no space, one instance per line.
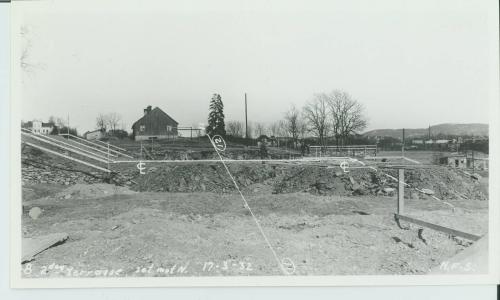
(445,183)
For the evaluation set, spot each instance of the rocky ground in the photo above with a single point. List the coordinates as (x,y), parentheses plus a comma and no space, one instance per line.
(144,234)
(184,219)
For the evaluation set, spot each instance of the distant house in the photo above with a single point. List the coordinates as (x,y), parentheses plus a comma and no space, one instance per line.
(442,141)
(478,163)
(94,135)
(39,127)
(417,142)
(155,124)
(456,161)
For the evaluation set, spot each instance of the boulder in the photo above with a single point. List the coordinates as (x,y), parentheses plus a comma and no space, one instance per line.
(428,191)
(35,212)
(475,176)
(389,190)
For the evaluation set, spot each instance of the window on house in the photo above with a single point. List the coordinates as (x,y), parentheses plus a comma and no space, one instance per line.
(169,128)
(142,128)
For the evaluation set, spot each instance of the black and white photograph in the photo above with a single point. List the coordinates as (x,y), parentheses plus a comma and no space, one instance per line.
(254,142)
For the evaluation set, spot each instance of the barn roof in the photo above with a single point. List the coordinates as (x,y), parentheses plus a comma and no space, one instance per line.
(156,109)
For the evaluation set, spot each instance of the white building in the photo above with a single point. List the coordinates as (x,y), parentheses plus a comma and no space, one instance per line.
(39,127)
(94,135)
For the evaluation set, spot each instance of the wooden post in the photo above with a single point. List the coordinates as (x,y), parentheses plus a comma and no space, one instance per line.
(246,118)
(108,155)
(401,191)
(403,147)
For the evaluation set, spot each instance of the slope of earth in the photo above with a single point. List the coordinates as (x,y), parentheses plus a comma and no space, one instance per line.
(115,232)
(290,178)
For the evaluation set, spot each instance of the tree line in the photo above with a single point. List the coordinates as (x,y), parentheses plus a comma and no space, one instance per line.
(334,115)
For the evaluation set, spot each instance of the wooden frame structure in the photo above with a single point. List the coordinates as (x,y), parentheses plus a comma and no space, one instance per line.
(399,215)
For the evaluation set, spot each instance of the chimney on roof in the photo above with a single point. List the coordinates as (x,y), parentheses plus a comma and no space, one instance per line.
(147,110)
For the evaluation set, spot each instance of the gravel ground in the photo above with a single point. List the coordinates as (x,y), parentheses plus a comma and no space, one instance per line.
(115,232)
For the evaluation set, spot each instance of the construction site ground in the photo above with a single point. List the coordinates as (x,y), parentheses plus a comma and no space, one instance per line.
(145,233)
(188,218)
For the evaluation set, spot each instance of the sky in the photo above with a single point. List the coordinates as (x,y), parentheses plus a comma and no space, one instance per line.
(410,63)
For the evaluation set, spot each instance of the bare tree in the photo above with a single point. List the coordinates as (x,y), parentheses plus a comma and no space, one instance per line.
(101,122)
(26,60)
(113,120)
(346,115)
(274,129)
(316,116)
(292,124)
(235,128)
(260,129)
(282,128)
(60,122)
(302,129)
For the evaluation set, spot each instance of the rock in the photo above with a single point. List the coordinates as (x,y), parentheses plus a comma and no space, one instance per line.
(476,176)
(389,190)
(358,189)
(428,191)
(67,196)
(35,212)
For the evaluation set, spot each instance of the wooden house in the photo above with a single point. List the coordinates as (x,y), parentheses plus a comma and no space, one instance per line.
(155,124)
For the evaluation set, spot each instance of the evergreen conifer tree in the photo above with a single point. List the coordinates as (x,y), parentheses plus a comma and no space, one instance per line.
(216,117)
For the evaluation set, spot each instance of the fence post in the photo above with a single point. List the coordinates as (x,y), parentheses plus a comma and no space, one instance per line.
(108,155)
(401,191)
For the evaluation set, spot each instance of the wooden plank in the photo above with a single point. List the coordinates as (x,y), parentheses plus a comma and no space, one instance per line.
(436,227)
(93,148)
(34,246)
(67,157)
(95,144)
(401,191)
(64,143)
(64,147)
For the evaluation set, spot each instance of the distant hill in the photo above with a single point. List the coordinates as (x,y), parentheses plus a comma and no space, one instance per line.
(476,129)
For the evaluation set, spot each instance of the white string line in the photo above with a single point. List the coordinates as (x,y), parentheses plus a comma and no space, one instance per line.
(412,160)
(249,209)
(230,160)
(391,157)
(356,160)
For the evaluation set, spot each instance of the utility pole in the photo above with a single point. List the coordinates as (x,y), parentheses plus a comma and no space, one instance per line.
(472,147)
(68,126)
(429,132)
(246,118)
(403,147)
(473,166)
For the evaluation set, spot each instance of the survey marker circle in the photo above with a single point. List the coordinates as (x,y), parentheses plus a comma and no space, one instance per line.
(219,143)
(288,266)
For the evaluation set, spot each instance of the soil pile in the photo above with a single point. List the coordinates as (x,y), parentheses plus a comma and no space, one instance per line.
(443,182)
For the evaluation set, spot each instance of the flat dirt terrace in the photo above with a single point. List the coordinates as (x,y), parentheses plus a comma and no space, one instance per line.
(116,232)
